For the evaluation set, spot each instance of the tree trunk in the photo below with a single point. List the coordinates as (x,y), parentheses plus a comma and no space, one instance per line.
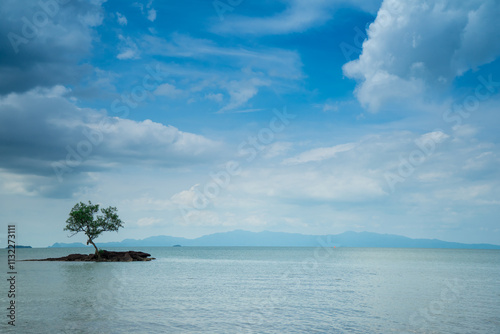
(96,250)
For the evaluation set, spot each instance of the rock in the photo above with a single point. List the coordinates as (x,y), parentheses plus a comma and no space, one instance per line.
(76,257)
(106,256)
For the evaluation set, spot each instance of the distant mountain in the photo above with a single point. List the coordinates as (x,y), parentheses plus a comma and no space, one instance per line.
(282,239)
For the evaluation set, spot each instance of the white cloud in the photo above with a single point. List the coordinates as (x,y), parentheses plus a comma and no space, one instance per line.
(464,193)
(214,97)
(148,221)
(152,14)
(128,49)
(128,54)
(311,185)
(277,149)
(168,90)
(330,107)
(357,176)
(319,154)
(276,62)
(246,70)
(155,142)
(464,131)
(432,176)
(241,92)
(122,20)
(436,137)
(186,198)
(381,87)
(91,19)
(299,16)
(414,49)
(481,161)
(202,218)
(15,184)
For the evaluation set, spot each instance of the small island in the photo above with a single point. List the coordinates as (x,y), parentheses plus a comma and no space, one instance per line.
(19,246)
(81,219)
(104,256)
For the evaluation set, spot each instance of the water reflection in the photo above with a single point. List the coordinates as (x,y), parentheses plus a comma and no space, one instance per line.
(92,298)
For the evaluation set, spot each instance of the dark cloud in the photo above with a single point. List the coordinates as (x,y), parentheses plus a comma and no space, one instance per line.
(43,42)
(51,145)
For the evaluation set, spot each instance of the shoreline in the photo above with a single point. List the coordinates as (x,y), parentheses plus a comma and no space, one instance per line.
(105,256)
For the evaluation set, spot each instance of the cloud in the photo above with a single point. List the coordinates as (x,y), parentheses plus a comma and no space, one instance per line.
(319,154)
(152,15)
(185,197)
(276,62)
(155,143)
(299,16)
(481,161)
(464,131)
(330,107)
(277,149)
(436,137)
(128,54)
(348,189)
(121,19)
(168,90)
(214,97)
(242,91)
(357,174)
(464,194)
(128,49)
(246,70)
(416,49)
(45,137)
(148,221)
(49,52)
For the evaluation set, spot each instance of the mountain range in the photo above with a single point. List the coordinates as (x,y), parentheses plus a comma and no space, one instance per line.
(282,239)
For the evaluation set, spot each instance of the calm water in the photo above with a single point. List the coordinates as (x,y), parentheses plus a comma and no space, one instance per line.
(259,290)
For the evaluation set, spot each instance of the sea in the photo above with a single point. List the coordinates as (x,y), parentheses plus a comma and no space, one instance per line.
(256,290)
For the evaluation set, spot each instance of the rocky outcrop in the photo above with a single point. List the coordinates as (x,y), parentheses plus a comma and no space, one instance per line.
(105,256)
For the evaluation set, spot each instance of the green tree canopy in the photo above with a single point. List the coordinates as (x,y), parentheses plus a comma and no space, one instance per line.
(84,218)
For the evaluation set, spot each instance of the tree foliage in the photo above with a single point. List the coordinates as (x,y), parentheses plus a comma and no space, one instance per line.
(84,218)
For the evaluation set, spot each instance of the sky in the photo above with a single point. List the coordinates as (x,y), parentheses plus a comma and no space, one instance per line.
(307,116)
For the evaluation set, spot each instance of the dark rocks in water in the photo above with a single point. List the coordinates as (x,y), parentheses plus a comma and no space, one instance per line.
(106,256)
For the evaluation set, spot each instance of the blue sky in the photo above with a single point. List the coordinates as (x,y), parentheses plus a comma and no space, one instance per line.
(195,117)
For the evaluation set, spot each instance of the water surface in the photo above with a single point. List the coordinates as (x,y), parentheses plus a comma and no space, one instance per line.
(259,290)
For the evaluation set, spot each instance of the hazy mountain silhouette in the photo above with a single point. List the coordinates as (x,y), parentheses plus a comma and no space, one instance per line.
(282,239)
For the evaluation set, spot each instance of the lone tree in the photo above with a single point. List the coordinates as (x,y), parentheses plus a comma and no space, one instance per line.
(81,219)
